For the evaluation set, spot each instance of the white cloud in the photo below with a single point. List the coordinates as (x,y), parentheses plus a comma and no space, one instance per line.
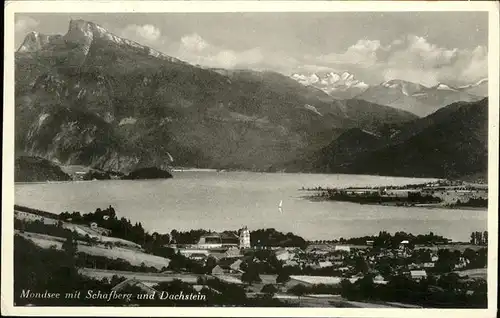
(141,33)
(364,53)
(25,24)
(412,58)
(427,63)
(194,49)
(476,64)
(194,42)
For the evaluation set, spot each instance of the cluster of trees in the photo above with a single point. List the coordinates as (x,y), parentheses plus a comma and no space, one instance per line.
(187,237)
(447,291)
(447,259)
(378,197)
(38,226)
(120,228)
(387,240)
(479,238)
(272,238)
(300,289)
(234,295)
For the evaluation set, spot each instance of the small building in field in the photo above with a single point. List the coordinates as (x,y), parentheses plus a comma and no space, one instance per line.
(200,257)
(324,264)
(418,274)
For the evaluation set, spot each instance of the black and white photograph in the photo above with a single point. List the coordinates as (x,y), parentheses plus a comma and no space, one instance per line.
(256,159)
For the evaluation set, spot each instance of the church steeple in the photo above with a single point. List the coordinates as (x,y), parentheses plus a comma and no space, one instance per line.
(244,238)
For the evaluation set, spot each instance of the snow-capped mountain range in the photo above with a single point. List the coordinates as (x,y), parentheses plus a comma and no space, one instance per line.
(342,85)
(416,98)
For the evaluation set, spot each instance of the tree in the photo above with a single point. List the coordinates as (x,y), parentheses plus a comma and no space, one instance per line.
(282,277)
(269,289)
(298,290)
(251,275)
(210,264)
(479,238)
(70,246)
(485,238)
(473,238)
(360,265)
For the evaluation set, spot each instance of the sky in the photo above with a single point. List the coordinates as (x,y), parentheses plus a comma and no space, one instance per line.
(422,47)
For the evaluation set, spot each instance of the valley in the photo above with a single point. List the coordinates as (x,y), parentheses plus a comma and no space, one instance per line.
(94,99)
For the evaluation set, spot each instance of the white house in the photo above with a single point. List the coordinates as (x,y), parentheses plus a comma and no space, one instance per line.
(324,264)
(418,274)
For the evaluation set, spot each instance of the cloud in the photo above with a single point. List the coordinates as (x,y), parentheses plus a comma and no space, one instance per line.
(25,24)
(363,53)
(141,33)
(194,42)
(411,58)
(194,49)
(426,63)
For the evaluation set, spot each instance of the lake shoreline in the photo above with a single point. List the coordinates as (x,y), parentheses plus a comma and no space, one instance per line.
(216,201)
(427,206)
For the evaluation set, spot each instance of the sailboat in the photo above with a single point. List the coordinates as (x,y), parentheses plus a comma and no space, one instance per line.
(280,206)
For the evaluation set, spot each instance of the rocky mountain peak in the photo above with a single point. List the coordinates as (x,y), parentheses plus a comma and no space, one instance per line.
(35,41)
(81,35)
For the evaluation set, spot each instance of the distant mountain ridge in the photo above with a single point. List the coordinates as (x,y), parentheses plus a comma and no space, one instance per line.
(450,143)
(92,98)
(413,97)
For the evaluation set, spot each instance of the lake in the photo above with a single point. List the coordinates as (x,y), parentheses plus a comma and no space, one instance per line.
(230,200)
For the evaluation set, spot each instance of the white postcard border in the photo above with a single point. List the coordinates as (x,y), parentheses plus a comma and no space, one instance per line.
(13,7)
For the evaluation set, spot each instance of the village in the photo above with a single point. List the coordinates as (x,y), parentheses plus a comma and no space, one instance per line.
(310,274)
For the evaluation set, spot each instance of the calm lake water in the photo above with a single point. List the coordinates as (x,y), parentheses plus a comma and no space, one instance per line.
(231,200)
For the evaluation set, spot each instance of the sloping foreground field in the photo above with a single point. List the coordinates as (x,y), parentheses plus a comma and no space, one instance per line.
(143,277)
(134,257)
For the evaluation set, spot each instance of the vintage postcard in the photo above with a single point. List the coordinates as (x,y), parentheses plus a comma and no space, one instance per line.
(252,158)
